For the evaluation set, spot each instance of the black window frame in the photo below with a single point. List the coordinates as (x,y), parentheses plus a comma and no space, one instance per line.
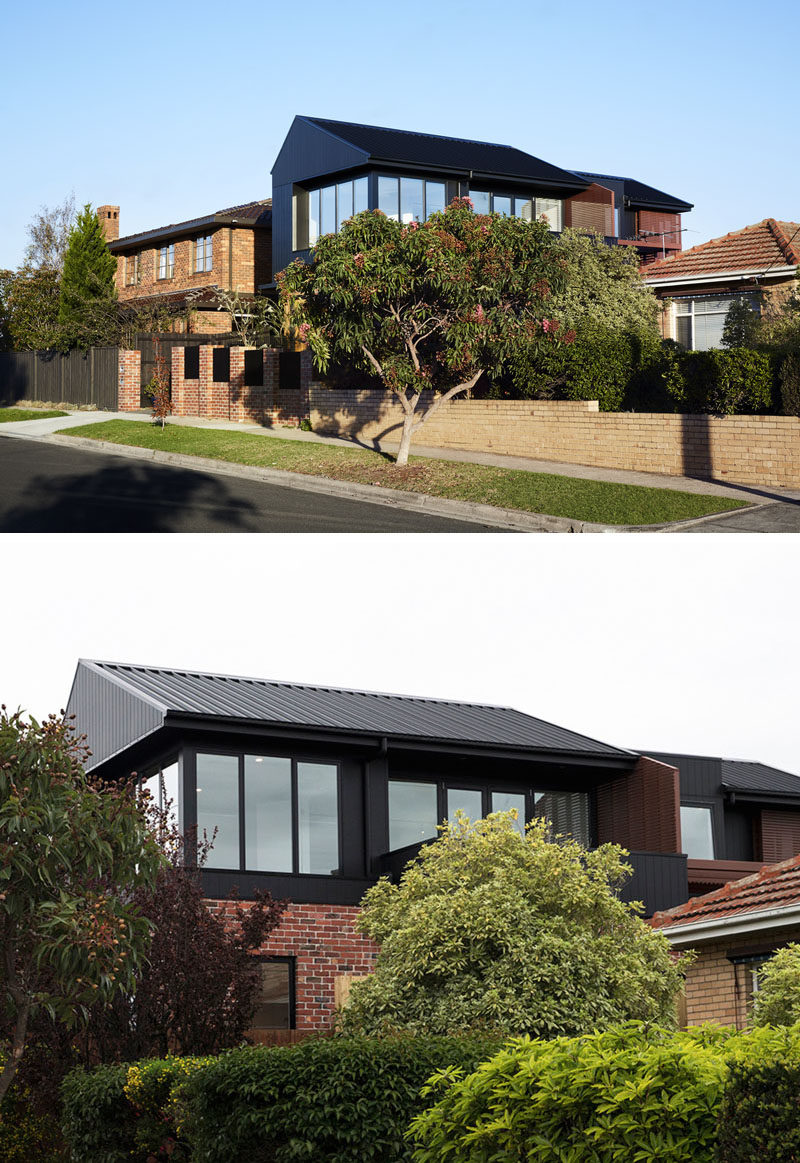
(295,758)
(291,962)
(717,824)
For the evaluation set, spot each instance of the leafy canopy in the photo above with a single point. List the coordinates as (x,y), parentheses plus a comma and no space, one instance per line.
(777,1002)
(486,929)
(88,278)
(71,854)
(603,286)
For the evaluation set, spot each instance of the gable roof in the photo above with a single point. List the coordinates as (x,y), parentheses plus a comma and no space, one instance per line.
(483,159)
(258,213)
(638,193)
(774,887)
(768,245)
(229,698)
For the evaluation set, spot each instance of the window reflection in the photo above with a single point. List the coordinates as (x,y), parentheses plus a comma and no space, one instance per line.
(412,813)
(317,818)
(268,813)
(504,801)
(218,807)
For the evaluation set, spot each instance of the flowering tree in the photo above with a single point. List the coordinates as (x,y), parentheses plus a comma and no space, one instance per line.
(71,855)
(429,305)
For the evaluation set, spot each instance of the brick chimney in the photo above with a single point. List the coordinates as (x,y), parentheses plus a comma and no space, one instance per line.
(109,220)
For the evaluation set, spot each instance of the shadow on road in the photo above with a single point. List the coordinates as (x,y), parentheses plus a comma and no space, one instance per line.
(127,498)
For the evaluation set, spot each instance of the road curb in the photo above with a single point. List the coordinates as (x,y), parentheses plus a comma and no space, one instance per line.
(509,519)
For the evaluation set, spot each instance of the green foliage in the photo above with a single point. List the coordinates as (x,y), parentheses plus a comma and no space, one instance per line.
(99,1125)
(742,327)
(71,854)
(790,384)
(87,282)
(777,1002)
(634,1093)
(487,930)
(719,383)
(602,287)
(150,1089)
(760,1114)
(26,1134)
(29,301)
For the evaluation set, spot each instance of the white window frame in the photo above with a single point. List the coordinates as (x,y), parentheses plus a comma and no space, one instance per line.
(165,258)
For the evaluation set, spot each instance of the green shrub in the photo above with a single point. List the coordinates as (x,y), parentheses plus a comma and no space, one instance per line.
(99,1125)
(760,1114)
(337,1100)
(633,1093)
(790,384)
(720,383)
(27,1135)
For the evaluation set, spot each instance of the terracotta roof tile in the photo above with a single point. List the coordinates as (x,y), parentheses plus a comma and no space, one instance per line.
(764,245)
(774,886)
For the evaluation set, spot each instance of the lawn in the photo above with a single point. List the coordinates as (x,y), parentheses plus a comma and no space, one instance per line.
(557,496)
(8,415)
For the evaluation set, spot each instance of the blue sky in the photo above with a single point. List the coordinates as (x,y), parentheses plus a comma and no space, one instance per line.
(174,110)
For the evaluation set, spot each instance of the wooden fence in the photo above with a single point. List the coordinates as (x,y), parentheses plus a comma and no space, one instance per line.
(76,378)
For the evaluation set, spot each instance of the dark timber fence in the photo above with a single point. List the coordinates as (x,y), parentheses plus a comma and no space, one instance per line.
(77,377)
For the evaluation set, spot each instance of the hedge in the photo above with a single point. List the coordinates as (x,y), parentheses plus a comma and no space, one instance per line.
(760,1114)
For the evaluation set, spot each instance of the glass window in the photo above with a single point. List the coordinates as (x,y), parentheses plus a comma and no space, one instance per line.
(164,789)
(696,833)
(166,261)
(412,205)
(360,195)
(313,217)
(267,813)
(202,253)
(434,198)
(131,270)
(504,801)
(274,1000)
(550,210)
(524,208)
(344,203)
(317,818)
(218,807)
(568,813)
(388,197)
(501,204)
(469,801)
(413,813)
(480,201)
(327,210)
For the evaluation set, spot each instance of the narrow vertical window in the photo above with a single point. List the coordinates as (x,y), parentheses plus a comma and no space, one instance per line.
(327,210)
(480,201)
(268,813)
(218,808)
(317,818)
(313,217)
(388,197)
(412,203)
(434,198)
(344,202)
(360,195)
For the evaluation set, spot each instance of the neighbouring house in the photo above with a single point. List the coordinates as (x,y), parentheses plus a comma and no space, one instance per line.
(697,287)
(328,170)
(315,792)
(732,932)
(185,263)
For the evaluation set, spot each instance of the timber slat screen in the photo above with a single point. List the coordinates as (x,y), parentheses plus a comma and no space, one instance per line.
(79,378)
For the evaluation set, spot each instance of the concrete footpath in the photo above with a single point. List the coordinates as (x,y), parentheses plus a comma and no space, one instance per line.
(774,510)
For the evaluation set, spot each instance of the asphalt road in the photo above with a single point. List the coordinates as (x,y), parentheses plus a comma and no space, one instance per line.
(48,489)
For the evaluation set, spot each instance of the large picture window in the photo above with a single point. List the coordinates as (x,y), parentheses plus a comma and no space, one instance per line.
(410,199)
(697,835)
(271,813)
(699,322)
(413,812)
(525,206)
(324,211)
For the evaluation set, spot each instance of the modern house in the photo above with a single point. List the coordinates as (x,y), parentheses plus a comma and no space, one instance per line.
(328,170)
(758,264)
(315,792)
(185,263)
(733,932)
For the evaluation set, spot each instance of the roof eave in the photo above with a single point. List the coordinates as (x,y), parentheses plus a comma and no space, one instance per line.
(179,228)
(738,923)
(715,277)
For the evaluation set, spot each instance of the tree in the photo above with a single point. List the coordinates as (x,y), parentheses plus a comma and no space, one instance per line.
(427,307)
(30,300)
(742,324)
(87,280)
(48,232)
(602,285)
(777,1002)
(71,854)
(486,929)
(254,318)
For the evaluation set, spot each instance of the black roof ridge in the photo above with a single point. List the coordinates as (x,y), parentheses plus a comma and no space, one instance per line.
(420,133)
(104,663)
(720,759)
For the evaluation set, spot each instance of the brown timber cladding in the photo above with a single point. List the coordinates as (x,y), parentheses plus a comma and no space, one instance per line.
(641,810)
(763,450)
(780,835)
(592,209)
(77,378)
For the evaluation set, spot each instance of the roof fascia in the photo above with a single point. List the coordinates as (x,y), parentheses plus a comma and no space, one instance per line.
(731,926)
(753,796)
(756,272)
(676,206)
(486,175)
(179,228)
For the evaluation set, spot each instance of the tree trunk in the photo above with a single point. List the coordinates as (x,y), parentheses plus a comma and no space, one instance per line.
(409,427)
(405,439)
(17,1050)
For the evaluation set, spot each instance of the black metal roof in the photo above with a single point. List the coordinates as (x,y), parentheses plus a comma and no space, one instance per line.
(640,194)
(231,698)
(257,213)
(483,158)
(741,775)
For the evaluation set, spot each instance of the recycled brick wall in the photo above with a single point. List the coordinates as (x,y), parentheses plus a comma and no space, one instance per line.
(130,379)
(233,264)
(266,403)
(325,944)
(761,450)
(641,810)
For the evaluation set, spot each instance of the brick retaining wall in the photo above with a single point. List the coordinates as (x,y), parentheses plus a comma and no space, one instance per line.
(757,450)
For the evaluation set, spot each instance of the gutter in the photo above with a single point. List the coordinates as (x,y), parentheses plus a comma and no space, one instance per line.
(698,277)
(740,923)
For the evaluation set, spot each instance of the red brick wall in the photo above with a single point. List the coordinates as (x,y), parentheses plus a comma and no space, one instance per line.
(130,380)
(266,403)
(234,264)
(719,991)
(324,942)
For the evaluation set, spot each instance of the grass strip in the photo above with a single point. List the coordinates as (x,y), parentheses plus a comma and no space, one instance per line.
(7,415)
(601,502)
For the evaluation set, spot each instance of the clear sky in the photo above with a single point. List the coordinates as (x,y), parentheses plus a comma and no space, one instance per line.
(653,642)
(173,110)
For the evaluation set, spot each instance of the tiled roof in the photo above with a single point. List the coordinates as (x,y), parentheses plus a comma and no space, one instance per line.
(258,213)
(428,149)
(776,886)
(760,247)
(227,697)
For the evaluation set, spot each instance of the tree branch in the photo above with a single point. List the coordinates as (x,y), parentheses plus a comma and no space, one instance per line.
(466,386)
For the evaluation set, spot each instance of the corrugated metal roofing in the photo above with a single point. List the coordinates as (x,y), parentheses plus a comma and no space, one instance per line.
(428,149)
(774,887)
(328,708)
(639,193)
(742,775)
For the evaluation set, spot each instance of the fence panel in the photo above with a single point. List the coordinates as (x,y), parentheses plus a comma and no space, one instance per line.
(76,378)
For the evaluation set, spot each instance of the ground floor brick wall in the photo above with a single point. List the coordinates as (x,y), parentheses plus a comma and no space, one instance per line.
(758,450)
(325,944)
(717,989)
(266,403)
(130,380)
